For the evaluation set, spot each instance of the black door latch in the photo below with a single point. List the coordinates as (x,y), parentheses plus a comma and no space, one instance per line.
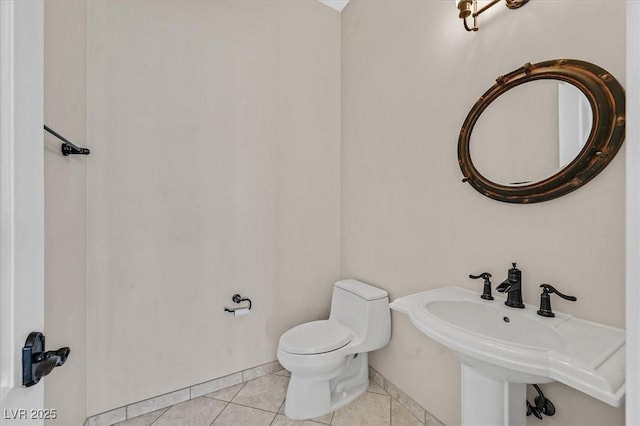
(36,363)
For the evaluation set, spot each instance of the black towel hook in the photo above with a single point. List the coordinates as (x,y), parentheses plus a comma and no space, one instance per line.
(68,147)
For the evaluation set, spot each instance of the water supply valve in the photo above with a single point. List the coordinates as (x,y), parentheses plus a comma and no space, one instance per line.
(542,405)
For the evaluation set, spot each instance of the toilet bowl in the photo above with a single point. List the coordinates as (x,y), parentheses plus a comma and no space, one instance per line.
(328,359)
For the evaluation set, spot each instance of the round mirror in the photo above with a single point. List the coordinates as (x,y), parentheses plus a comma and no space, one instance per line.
(531,132)
(533,142)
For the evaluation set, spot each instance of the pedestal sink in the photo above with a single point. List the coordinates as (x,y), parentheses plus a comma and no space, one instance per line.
(502,349)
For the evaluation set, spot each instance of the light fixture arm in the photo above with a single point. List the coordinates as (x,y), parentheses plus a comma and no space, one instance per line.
(465,12)
(478,12)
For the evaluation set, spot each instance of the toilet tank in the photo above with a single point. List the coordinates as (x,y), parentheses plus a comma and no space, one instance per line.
(364,309)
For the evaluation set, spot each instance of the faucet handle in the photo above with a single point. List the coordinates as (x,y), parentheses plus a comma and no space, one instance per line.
(484,275)
(548,288)
(545,300)
(486,290)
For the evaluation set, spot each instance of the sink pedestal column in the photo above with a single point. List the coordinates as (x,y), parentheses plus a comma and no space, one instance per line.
(491,401)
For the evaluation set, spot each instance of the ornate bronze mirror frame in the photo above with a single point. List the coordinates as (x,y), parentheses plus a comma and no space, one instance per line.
(607,99)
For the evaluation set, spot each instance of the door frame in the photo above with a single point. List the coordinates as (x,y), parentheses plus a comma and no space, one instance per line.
(21,197)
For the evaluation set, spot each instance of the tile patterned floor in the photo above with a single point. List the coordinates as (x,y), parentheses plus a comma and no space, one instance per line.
(260,402)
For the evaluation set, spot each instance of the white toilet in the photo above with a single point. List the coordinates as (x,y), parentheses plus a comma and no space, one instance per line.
(328,359)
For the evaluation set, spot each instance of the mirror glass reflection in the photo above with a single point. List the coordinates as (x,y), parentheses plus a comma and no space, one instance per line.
(530,132)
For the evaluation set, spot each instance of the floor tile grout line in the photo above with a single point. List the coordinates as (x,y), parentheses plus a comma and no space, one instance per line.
(275,413)
(189,388)
(312,420)
(163,413)
(273,419)
(234,395)
(255,408)
(219,414)
(262,409)
(391,416)
(385,381)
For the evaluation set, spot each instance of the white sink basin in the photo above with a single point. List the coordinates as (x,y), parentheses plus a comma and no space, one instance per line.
(488,320)
(525,347)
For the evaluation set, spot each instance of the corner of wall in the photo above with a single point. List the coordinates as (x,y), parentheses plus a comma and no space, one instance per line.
(65,208)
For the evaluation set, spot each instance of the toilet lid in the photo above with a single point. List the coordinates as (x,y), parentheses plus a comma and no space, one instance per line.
(315,337)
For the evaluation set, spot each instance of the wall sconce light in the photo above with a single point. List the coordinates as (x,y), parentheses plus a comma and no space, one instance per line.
(469,8)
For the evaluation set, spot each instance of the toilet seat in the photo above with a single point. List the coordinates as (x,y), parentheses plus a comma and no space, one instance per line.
(315,337)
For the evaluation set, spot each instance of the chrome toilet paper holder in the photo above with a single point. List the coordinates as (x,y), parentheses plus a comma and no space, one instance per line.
(236,298)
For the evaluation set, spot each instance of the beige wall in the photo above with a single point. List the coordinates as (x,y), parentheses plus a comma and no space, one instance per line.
(410,74)
(65,207)
(215,148)
(215,170)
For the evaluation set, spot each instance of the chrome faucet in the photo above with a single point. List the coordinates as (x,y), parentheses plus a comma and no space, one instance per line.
(513,287)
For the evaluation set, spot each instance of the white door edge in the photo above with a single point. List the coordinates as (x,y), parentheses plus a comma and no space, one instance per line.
(22,201)
(7,355)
